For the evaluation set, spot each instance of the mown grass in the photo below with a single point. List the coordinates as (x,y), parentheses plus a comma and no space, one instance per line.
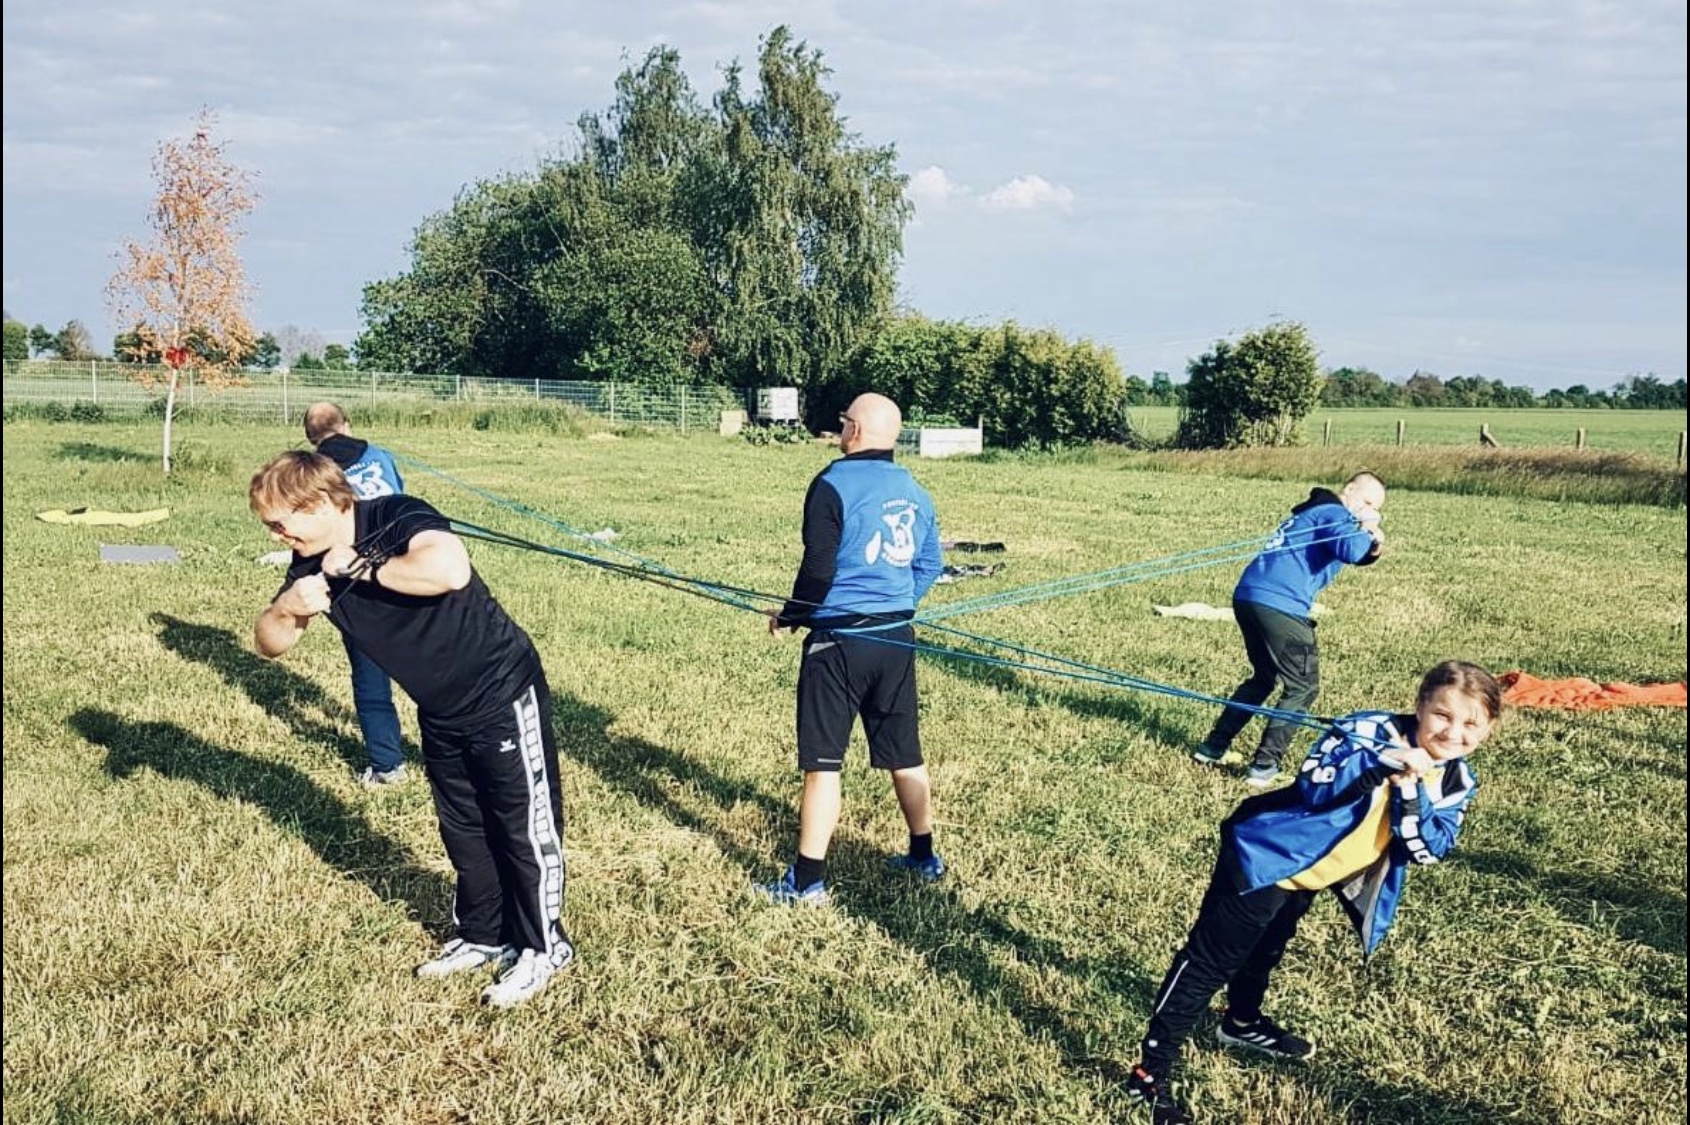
(1653,433)
(206,920)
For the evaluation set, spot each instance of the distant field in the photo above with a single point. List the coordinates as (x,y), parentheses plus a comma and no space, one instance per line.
(208,921)
(1652,432)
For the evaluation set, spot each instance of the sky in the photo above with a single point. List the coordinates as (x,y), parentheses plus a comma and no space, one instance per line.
(1466,187)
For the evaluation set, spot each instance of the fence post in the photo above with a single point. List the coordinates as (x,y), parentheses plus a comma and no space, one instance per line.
(1578,439)
(1680,459)
(613,402)
(94,379)
(683,410)
(1401,426)
(284,396)
(372,388)
(1326,432)
(536,389)
(190,387)
(458,385)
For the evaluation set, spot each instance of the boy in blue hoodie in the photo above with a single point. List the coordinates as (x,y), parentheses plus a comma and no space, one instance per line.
(1379,793)
(1274,602)
(371,472)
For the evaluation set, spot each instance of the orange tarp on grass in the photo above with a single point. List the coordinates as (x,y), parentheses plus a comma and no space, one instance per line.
(1522,689)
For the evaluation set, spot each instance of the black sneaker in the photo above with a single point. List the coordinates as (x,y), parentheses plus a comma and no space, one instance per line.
(1265,1036)
(1163,1109)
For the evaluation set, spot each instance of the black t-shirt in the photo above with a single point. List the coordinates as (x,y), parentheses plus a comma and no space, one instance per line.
(458,654)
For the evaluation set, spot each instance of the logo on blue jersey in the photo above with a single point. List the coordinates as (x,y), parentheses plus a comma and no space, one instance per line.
(897,543)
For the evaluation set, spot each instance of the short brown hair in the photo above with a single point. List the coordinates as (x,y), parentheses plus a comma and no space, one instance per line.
(299,479)
(1469,679)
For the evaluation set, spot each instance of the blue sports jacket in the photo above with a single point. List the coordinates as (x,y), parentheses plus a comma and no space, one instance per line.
(871,545)
(1281,834)
(1305,554)
(369,468)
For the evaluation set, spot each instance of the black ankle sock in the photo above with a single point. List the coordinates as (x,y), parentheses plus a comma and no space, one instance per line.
(807,872)
(921,847)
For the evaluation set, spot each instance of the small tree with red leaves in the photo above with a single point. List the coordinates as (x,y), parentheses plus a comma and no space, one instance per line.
(183,293)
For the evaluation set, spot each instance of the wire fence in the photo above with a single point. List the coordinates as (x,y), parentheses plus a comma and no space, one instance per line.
(284,395)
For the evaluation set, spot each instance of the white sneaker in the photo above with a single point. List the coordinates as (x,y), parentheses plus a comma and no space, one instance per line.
(526,977)
(372,778)
(460,956)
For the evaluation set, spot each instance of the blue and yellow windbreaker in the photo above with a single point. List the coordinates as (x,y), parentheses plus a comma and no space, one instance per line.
(1279,835)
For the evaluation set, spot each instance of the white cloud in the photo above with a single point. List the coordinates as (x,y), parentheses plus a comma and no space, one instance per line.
(1029,193)
(933,187)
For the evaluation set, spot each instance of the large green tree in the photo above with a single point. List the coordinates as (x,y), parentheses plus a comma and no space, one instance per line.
(1252,392)
(17,341)
(755,241)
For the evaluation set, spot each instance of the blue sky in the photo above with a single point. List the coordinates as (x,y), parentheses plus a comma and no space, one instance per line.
(1492,187)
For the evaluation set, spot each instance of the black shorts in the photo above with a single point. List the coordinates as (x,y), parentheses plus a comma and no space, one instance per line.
(844,675)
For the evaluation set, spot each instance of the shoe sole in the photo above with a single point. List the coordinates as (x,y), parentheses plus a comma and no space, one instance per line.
(1234,1041)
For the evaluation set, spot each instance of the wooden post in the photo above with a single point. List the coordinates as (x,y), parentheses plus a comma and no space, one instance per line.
(284,396)
(1485,437)
(613,403)
(1326,432)
(94,379)
(536,389)
(458,385)
(683,410)
(1578,439)
(1401,426)
(1680,460)
(372,388)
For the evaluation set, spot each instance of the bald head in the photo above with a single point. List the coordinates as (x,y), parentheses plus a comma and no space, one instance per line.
(871,422)
(323,420)
(1364,494)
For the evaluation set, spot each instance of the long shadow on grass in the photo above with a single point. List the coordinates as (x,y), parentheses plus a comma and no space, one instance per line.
(1636,911)
(293,698)
(299,806)
(961,941)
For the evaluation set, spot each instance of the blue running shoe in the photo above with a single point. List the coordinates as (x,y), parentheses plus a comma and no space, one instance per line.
(928,870)
(786,892)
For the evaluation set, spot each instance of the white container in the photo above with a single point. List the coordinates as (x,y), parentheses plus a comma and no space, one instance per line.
(942,441)
(777,404)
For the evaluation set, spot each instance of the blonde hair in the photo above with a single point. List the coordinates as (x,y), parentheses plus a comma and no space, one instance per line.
(299,479)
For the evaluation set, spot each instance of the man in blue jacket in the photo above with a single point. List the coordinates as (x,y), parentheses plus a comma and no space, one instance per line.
(371,472)
(1273,604)
(871,550)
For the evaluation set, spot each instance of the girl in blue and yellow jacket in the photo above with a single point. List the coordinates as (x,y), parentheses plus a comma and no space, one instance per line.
(1380,792)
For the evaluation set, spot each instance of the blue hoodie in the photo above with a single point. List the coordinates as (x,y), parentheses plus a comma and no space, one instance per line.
(369,468)
(1305,554)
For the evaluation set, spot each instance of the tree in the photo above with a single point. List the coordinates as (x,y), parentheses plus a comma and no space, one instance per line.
(336,357)
(755,241)
(1163,392)
(185,289)
(810,222)
(1424,389)
(73,342)
(266,353)
(40,339)
(17,341)
(1254,392)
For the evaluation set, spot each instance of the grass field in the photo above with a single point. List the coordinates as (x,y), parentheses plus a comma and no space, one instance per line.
(207,920)
(1652,432)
